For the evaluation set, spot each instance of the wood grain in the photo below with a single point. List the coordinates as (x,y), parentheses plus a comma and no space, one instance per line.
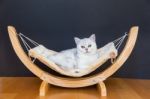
(118,88)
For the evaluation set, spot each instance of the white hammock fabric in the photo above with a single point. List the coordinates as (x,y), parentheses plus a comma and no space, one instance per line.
(42,53)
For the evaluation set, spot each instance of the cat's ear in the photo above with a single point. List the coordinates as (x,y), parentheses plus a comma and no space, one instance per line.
(77,40)
(93,37)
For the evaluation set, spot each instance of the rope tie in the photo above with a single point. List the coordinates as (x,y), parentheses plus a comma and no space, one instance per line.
(118,42)
(27,46)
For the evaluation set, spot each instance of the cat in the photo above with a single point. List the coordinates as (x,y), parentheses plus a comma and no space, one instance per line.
(80,57)
(86,51)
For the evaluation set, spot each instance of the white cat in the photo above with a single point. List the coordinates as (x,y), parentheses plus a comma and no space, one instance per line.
(77,58)
(86,51)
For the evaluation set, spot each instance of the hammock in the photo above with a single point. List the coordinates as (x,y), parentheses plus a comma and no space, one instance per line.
(41,53)
(70,82)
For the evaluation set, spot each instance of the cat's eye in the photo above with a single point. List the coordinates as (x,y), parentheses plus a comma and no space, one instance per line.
(82,47)
(89,45)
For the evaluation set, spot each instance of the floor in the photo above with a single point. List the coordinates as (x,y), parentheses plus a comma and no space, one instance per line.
(118,88)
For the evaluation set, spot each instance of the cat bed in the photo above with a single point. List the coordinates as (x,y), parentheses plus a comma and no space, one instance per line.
(47,77)
(42,54)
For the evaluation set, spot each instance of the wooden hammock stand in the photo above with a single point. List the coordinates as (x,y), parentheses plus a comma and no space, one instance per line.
(48,78)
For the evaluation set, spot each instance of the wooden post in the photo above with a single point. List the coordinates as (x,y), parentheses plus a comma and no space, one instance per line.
(43,88)
(102,88)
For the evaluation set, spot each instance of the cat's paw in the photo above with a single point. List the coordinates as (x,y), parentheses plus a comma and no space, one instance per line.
(76,71)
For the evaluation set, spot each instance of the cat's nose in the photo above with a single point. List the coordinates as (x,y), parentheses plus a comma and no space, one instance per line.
(86,49)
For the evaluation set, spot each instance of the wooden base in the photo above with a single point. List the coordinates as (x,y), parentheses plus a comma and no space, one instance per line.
(118,88)
(102,88)
(44,88)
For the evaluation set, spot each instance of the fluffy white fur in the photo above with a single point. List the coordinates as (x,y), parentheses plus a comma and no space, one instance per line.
(80,57)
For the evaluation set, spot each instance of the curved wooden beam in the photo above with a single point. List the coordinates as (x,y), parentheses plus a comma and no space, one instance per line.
(73,82)
(132,37)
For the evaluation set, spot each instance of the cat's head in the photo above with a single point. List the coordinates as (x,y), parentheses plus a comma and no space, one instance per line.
(86,45)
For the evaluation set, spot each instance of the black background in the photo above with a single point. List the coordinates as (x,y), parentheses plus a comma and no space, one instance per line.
(54,23)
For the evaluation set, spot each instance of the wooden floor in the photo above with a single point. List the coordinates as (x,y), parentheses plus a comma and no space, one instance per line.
(28,88)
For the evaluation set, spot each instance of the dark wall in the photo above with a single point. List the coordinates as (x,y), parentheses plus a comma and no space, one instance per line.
(54,23)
